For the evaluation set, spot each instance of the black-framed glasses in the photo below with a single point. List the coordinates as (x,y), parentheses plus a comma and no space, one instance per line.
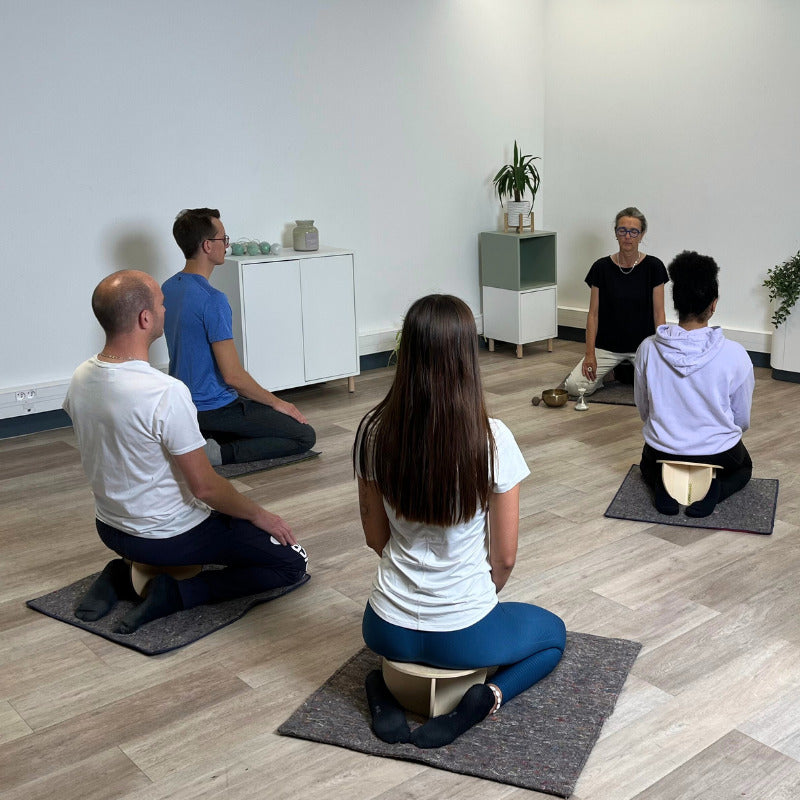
(632,232)
(226,239)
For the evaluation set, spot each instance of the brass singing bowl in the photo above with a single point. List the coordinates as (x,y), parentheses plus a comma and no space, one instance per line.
(554,397)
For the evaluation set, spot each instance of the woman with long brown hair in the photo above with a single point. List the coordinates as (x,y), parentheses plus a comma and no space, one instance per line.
(438,484)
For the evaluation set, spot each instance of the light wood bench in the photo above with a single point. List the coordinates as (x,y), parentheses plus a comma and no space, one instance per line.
(142,574)
(686,481)
(429,691)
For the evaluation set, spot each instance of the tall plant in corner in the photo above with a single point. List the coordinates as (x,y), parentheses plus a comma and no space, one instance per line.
(783,283)
(517,178)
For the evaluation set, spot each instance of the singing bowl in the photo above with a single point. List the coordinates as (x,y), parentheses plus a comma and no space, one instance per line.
(554,397)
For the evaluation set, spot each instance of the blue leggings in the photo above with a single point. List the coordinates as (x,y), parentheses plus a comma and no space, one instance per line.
(525,641)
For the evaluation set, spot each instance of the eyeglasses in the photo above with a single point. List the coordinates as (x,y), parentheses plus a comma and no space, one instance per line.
(623,232)
(226,239)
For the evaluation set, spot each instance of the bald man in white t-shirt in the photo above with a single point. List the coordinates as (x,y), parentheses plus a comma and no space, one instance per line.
(157,498)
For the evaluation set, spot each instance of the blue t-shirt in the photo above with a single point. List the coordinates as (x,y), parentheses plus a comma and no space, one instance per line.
(197,315)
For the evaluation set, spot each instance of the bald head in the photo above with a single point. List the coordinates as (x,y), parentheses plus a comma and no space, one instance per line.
(120,298)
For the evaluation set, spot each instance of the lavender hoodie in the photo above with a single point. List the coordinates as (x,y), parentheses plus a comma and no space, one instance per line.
(693,390)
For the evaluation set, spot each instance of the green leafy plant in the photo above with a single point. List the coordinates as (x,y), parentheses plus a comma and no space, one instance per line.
(393,355)
(518,177)
(783,283)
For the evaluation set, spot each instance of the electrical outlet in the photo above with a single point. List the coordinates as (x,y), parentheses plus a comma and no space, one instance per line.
(30,394)
(20,397)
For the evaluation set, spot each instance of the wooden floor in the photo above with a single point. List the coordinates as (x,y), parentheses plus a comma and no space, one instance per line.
(711,710)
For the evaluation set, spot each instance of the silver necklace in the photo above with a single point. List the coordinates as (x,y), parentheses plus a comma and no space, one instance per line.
(627,270)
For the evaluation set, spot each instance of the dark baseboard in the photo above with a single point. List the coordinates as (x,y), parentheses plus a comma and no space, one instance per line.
(34,423)
(374,360)
(379,360)
(785,375)
(571,334)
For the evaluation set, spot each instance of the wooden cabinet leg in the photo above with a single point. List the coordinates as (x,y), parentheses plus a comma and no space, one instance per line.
(351,384)
(519,351)
(491,345)
(549,345)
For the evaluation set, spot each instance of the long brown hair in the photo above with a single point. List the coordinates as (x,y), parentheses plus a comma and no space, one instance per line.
(428,445)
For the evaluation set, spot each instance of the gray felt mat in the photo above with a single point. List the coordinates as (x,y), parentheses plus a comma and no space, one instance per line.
(752,510)
(613,393)
(160,635)
(540,740)
(245,468)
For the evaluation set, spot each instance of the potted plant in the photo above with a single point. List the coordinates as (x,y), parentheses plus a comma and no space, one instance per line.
(783,283)
(513,180)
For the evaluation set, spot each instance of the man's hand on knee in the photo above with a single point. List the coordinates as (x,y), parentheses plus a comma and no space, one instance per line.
(290,410)
(275,526)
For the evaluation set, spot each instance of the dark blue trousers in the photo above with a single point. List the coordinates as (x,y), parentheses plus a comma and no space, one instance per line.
(253,560)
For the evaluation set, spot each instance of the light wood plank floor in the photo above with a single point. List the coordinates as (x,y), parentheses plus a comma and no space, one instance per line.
(711,710)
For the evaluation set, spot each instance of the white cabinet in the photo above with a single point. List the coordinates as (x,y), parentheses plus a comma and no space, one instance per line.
(528,315)
(294,318)
(518,277)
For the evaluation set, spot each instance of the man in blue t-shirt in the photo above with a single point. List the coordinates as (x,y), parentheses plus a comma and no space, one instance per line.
(240,418)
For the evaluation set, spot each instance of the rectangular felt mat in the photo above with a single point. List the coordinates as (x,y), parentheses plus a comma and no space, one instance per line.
(160,635)
(613,393)
(246,467)
(752,510)
(540,740)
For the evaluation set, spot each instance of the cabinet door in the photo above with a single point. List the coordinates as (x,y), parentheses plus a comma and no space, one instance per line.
(273,326)
(501,315)
(329,317)
(537,313)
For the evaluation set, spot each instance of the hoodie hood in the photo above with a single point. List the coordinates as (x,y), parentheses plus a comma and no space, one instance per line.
(688,351)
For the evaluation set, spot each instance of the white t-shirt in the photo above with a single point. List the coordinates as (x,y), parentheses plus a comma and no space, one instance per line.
(128,419)
(435,578)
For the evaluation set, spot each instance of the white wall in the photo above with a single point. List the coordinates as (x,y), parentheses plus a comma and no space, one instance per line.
(383,121)
(688,110)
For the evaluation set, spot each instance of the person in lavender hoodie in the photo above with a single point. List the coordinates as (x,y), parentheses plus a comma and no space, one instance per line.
(694,389)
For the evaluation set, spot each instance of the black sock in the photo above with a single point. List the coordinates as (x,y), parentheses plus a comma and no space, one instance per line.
(388,718)
(706,506)
(664,502)
(163,598)
(112,584)
(439,731)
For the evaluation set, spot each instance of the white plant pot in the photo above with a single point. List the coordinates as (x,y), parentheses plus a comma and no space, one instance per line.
(514,208)
(786,345)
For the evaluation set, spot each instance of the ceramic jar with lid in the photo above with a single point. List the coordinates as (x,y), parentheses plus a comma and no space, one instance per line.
(305,236)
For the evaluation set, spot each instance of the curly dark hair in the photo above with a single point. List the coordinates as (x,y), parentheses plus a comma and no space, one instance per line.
(694,285)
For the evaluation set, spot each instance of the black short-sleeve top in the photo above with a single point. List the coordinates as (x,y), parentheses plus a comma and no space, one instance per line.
(625,315)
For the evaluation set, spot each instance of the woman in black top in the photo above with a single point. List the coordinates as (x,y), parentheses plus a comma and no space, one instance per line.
(626,304)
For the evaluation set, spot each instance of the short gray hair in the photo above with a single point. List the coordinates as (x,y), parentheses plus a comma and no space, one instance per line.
(632,211)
